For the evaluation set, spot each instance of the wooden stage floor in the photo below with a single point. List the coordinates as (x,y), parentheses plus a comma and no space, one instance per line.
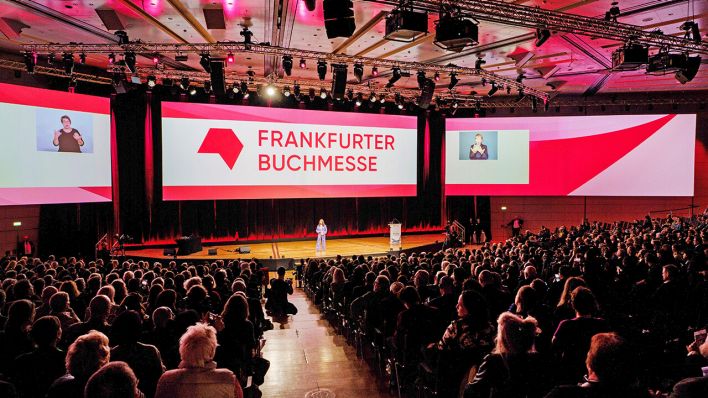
(372,245)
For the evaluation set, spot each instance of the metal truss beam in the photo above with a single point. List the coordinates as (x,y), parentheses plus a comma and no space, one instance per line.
(239,47)
(533,17)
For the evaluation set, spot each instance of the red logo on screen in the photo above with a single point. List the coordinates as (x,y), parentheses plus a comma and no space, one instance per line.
(223,142)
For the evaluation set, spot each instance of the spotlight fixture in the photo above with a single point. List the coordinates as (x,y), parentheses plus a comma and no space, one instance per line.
(244,89)
(321,69)
(122,37)
(350,94)
(270,90)
(478,106)
(205,62)
(111,59)
(520,96)
(82,58)
(184,83)
(179,57)
(129,59)
(372,97)
(303,64)
(155,60)
(399,101)
(288,64)
(484,82)
(508,89)
(207,86)
(192,90)
(395,76)
(382,99)
(405,25)
(30,61)
(358,71)
(286,91)
(534,104)
(454,104)
(323,93)
(359,99)
(296,91)
(546,105)
(375,71)
(151,81)
(234,88)
(436,76)
(421,78)
(691,31)
(230,58)
(612,14)
(493,90)
(520,77)
(68,60)
(247,34)
(453,81)
(479,62)
(50,58)
(542,35)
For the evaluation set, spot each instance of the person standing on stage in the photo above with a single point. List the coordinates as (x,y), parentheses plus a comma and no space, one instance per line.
(321,236)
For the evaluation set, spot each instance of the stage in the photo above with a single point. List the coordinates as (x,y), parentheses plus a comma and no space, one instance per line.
(297,249)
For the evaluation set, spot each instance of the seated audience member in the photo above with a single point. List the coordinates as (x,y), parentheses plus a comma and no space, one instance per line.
(564,309)
(610,372)
(61,308)
(85,356)
(143,359)
(277,295)
(198,376)
(98,312)
(513,369)
(35,371)
(417,326)
(694,387)
(163,336)
(44,309)
(114,380)
(447,301)
(572,338)
(15,339)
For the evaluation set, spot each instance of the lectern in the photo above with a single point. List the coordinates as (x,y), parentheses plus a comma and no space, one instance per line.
(395,235)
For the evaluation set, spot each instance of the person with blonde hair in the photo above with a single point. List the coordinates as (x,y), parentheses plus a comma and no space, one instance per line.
(85,356)
(514,368)
(197,375)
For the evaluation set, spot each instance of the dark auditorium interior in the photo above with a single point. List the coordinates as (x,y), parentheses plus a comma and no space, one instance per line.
(353,199)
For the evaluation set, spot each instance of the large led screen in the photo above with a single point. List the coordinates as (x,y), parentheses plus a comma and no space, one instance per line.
(234,152)
(628,155)
(54,147)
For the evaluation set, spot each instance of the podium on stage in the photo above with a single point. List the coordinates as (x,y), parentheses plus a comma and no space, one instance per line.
(395,235)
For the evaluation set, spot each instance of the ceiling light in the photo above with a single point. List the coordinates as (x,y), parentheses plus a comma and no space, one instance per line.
(453,81)
(436,76)
(207,86)
(129,59)
(247,34)
(192,90)
(375,71)
(151,81)
(395,76)
(382,99)
(205,62)
(30,61)
(68,60)
(421,78)
(286,91)
(244,89)
(230,58)
(454,33)
(303,64)
(234,88)
(111,59)
(82,58)
(372,97)
(508,89)
(288,64)
(296,91)
(321,69)
(493,90)
(270,90)
(358,71)
(155,60)
(323,93)
(359,99)
(479,62)
(184,83)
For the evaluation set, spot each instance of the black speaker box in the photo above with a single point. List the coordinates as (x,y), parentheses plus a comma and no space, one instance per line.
(211,252)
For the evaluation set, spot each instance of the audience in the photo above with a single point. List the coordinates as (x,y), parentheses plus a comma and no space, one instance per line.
(35,371)
(85,356)
(114,380)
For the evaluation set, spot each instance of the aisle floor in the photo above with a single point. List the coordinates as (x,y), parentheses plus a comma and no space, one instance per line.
(309,359)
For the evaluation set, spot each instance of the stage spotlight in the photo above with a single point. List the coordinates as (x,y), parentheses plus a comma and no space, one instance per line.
(546,105)
(542,35)
(692,31)
(399,101)
(372,97)
(359,99)
(520,77)
(421,79)
(286,91)
(375,71)
(205,62)
(155,60)
(484,82)
(50,58)
(303,64)
(520,96)
(122,37)
(296,91)
(184,83)
(270,90)
(323,93)
(321,69)
(493,90)
(436,76)
(479,62)
(129,59)
(382,99)
(613,12)
(508,89)
(288,64)
(230,58)
(111,59)
(453,81)
(234,88)
(151,81)
(82,58)
(478,106)
(247,34)
(534,104)
(68,60)
(395,76)
(192,90)
(350,94)
(207,86)
(454,104)
(244,88)
(30,61)
(358,71)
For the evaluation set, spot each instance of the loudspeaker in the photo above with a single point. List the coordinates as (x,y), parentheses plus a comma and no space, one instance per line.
(686,74)
(339,80)
(211,252)
(218,83)
(426,94)
(244,249)
(169,252)
(338,18)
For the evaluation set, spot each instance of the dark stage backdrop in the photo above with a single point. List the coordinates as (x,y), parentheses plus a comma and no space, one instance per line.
(141,213)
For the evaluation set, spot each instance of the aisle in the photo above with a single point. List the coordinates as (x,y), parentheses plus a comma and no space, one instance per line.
(308,358)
